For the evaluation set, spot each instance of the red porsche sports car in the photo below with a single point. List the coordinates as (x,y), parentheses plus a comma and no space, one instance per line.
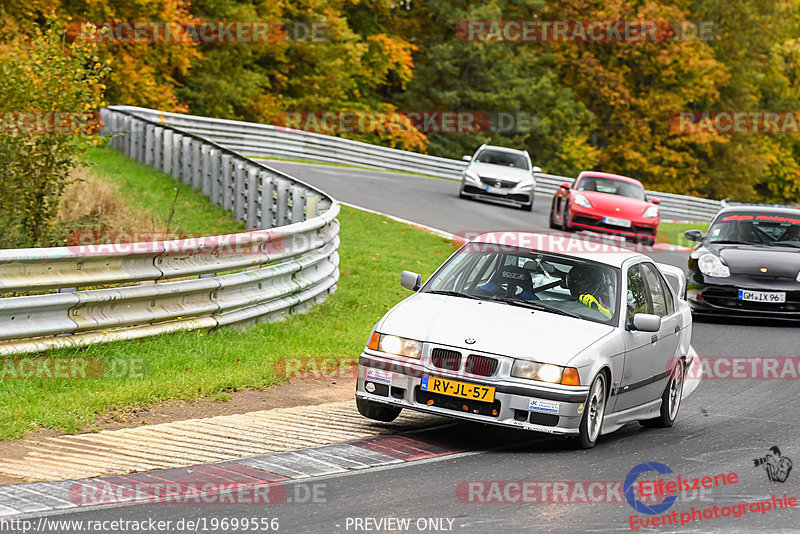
(606,203)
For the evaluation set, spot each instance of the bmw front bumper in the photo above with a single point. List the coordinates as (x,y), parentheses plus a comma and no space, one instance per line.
(397,382)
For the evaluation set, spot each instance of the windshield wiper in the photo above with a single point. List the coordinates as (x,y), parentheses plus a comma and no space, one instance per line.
(536,306)
(731,242)
(453,294)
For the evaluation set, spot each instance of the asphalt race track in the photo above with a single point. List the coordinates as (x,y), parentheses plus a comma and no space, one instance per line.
(722,427)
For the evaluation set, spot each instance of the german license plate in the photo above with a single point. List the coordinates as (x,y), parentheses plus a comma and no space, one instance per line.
(494,190)
(452,388)
(762,296)
(613,221)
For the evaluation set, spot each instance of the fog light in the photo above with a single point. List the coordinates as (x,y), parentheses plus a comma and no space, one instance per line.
(370,387)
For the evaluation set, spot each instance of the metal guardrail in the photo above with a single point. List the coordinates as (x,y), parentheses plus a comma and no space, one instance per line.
(287,265)
(265,141)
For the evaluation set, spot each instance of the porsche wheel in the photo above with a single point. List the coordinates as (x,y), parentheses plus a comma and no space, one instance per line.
(553,225)
(594,412)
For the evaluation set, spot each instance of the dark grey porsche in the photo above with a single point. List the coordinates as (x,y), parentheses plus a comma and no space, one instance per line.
(748,264)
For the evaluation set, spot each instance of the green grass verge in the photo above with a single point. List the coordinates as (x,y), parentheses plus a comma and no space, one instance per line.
(191,365)
(143,187)
(669,232)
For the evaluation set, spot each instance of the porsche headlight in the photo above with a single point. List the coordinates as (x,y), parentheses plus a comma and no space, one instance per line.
(652,211)
(711,265)
(545,372)
(581,200)
(399,346)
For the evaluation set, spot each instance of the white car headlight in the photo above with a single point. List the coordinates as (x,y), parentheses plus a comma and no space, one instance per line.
(545,372)
(652,211)
(526,185)
(581,200)
(471,175)
(399,346)
(711,265)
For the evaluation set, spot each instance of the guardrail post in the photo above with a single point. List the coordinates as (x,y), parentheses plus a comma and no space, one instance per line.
(225,177)
(186,159)
(213,191)
(196,165)
(298,203)
(139,129)
(239,178)
(205,165)
(177,152)
(158,136)
(251,215)
(312,203)
(149,139)
(166,160)
(267,203)
(282,205)
(129,139)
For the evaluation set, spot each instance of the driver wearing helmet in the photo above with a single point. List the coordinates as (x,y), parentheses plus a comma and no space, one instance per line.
(585,283)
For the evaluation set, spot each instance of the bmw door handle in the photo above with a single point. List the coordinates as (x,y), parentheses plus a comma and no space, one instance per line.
(654,338)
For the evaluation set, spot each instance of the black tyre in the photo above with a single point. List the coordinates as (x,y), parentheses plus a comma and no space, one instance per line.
(564,222)
(552,213)
(670,400)
(379,412)
(527,207)
(594,412)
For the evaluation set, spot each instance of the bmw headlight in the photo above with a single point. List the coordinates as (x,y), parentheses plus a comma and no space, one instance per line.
(399,346)
(652,211)
(545,372)
(581,200)
(711,265)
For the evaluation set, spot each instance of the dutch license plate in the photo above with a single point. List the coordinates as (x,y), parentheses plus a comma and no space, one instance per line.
(762,296)
(613,221)
(494,190)
(452,388)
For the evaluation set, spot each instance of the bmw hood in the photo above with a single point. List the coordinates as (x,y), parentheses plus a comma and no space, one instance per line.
(497,328)
(500,172)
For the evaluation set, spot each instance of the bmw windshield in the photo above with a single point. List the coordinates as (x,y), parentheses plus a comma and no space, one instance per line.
(540,281)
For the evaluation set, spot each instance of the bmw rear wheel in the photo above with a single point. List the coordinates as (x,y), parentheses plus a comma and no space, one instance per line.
(670,400)
(594,412)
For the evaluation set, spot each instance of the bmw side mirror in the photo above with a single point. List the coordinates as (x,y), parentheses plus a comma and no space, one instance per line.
(645,322)
(565,185)
(466,158)
(693,235)
(411,281)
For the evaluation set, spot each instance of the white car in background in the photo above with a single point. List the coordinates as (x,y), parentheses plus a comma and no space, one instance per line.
(505,335)
(500,174)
